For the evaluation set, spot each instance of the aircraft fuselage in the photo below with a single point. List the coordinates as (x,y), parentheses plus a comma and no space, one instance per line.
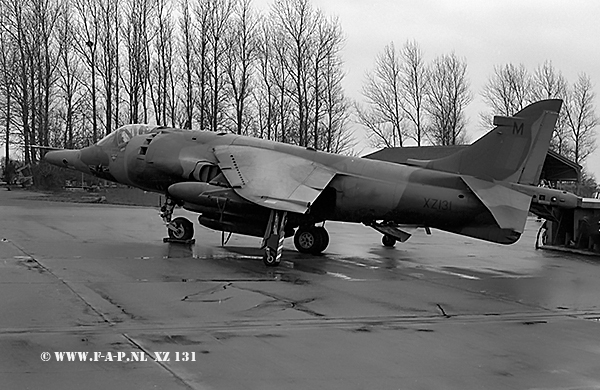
(364,190)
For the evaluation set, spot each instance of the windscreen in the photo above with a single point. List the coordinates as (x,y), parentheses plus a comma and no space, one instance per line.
(122,135)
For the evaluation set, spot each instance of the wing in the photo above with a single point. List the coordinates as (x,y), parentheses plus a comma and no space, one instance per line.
(273,179)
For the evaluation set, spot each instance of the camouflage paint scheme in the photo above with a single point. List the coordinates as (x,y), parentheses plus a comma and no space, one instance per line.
(234,182)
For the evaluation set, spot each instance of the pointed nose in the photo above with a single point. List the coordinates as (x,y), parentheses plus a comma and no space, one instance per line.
(65,159)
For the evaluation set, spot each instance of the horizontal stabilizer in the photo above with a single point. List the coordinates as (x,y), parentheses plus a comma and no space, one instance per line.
(508,207)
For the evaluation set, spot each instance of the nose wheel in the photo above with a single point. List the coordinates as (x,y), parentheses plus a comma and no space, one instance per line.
(181,229)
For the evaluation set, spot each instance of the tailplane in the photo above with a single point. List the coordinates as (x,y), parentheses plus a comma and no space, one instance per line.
(514,151)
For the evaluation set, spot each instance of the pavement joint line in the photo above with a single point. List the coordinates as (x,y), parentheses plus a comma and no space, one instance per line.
(314,322)
(295,305)
(64,282)
(160,363)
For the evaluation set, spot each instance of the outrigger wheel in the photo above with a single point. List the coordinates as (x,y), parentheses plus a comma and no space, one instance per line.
(388,240)
(181,229)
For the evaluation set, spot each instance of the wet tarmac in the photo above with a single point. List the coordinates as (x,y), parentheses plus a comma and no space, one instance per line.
(438,312)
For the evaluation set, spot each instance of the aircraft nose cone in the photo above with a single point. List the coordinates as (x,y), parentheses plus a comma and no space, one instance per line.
(64,158)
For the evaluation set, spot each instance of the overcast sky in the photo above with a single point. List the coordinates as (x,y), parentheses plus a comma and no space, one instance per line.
(483,32)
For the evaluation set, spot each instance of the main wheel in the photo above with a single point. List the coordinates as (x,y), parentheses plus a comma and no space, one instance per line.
(324,237)
(388,241)
(311,240)
(181,229)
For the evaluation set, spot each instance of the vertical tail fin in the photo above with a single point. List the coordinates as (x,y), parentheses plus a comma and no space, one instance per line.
(513,151)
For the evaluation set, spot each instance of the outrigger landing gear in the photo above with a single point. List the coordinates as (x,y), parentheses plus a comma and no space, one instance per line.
(273,239)
(311,239)
(388,241)
(180,229)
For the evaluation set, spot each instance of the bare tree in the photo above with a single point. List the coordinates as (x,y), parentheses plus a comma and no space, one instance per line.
(331,105)
(281,79)
(382,91)
(18,21)
(581,118)
(46,14)
(108,62)
(187,38)
(276,84)
(8,59)
(201,61)
(162,84)
(294,22)
(548,83)
(31,28)
(507,91)
(219,19)
(264,95)
(71,76)
(137,42)
(414,87)
(447,99)
(243,51)
(87,45)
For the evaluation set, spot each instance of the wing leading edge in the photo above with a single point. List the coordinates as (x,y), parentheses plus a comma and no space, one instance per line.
(273,179)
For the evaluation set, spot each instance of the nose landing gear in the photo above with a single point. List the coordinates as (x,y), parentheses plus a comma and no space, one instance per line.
(180,229)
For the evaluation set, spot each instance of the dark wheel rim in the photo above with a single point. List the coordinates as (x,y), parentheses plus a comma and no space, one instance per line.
(306,240)
(270,258)
(183,229)
(179,232)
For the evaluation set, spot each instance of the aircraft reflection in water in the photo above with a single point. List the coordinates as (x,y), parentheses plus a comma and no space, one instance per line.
(273,190)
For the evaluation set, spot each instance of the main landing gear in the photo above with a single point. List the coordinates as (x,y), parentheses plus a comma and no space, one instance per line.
(308,239)
(180,229)
(311,239)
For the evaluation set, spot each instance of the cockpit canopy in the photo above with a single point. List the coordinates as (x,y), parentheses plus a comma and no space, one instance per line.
(121,136)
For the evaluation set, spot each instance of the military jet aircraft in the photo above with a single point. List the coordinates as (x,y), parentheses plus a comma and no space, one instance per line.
(274,190)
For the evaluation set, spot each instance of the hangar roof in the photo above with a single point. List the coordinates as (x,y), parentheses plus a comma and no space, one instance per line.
(556,167)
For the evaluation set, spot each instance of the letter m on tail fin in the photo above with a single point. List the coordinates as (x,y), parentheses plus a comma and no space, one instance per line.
(514,151)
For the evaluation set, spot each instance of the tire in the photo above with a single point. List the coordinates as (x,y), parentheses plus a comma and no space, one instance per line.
(308,240)
(388,241)
(324,238)
(184,229)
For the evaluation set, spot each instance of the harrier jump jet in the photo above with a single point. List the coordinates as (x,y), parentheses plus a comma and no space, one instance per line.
(273,190)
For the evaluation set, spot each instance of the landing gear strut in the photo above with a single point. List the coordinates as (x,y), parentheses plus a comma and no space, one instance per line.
(311,239)
(180,229)
(273,239)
